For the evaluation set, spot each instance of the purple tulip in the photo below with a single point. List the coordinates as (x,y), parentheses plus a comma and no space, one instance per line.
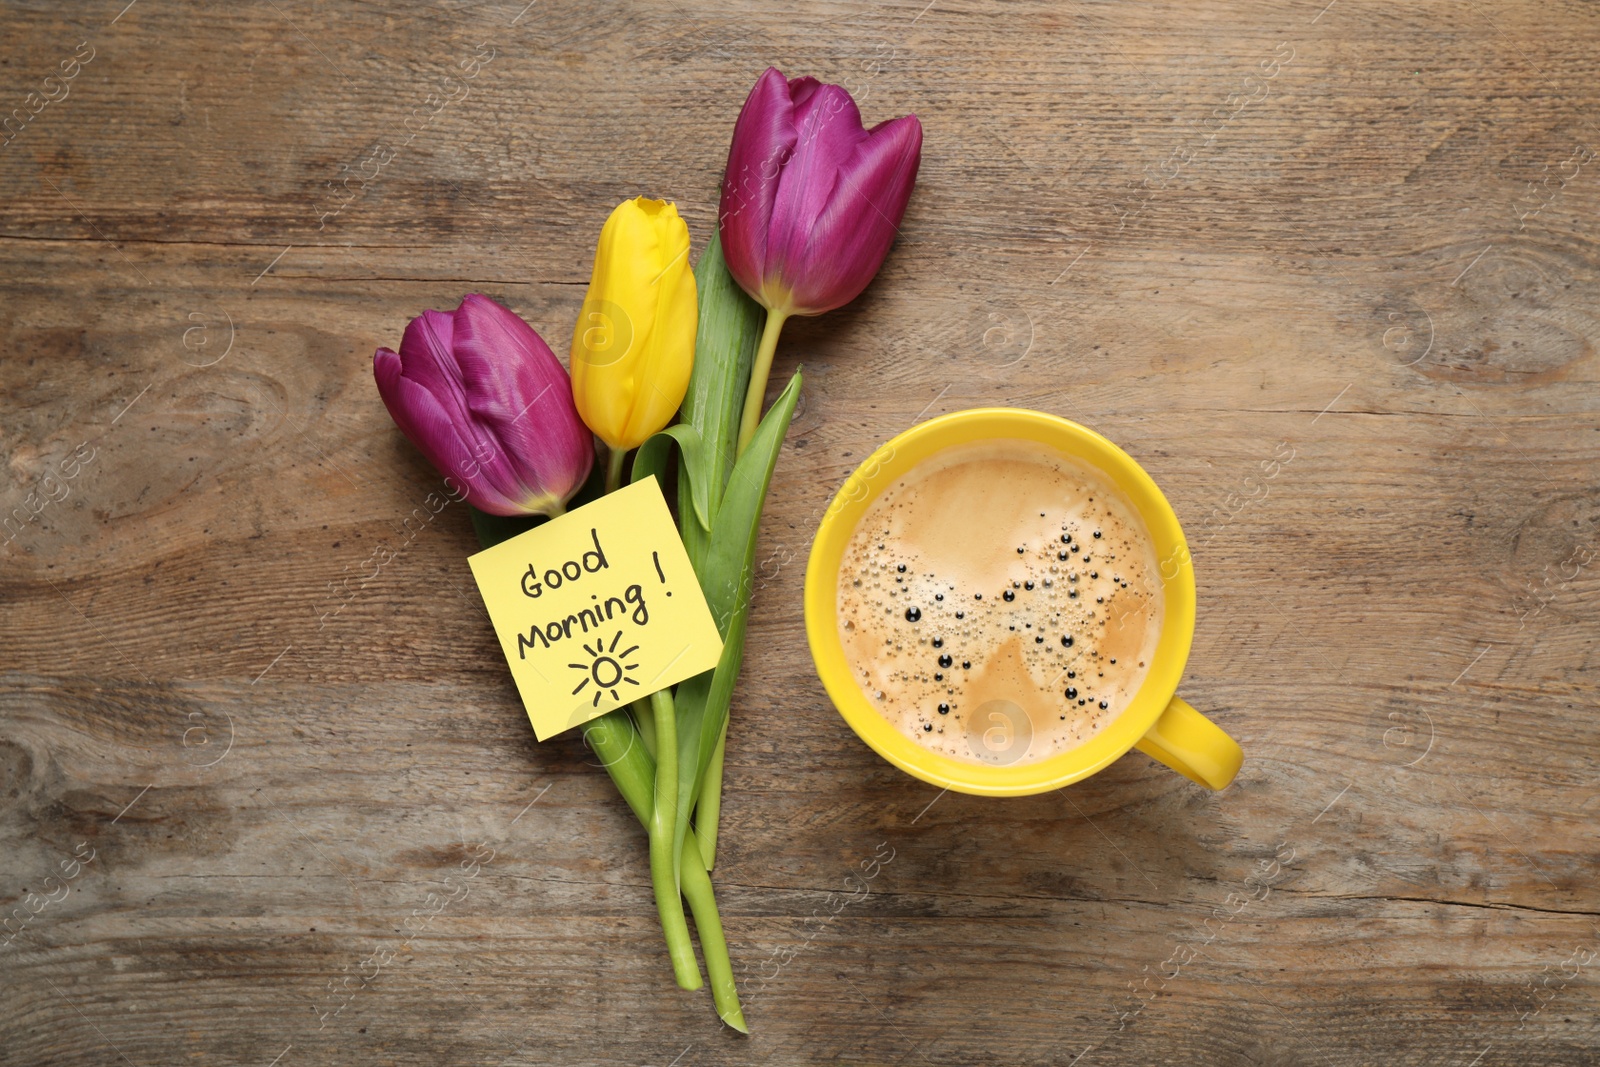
(812,200)
(485,400)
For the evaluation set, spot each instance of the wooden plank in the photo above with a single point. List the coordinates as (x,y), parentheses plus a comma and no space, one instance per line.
(250,704)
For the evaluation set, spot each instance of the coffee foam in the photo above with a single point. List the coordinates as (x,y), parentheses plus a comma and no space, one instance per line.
(1000,603)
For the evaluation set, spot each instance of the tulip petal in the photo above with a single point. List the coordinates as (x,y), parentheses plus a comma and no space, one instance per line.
(811,200)
(425,358)
(831,262)
(663,375)
(482,397)
(764,138)
(829,129)
(630,364)
(515,389)
(431,426)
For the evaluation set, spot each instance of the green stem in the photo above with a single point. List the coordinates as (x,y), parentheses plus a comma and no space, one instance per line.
(613,739)
(757,392)
(709,809)
(621,748)
(703,902)
(663,827)
(614,468)
(646,724)
(710,799)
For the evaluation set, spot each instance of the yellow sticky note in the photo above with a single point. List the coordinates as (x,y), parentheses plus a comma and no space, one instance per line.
(597,608)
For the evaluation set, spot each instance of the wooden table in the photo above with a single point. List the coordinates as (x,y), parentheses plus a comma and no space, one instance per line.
(1327,270)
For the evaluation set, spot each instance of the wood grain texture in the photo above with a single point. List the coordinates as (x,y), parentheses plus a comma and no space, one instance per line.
(1355,238)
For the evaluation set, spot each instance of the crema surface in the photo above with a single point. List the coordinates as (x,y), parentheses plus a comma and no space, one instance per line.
(999,604)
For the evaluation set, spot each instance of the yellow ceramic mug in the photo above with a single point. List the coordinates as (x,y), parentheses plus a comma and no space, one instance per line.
(1156,722)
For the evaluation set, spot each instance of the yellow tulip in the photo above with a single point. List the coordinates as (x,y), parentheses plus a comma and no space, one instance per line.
(633,346)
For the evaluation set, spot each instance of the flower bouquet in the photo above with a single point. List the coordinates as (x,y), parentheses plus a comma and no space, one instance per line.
(810,203)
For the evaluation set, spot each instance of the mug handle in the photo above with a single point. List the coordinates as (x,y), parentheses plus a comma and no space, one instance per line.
(1192,745)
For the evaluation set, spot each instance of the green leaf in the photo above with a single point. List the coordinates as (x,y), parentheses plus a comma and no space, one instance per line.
(733,530)
(726,580)
(724,350)
(696,535)
(652,459)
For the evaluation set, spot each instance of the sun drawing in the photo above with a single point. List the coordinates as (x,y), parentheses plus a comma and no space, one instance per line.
(607,670)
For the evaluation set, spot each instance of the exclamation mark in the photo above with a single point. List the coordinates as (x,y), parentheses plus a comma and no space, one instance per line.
(656,559)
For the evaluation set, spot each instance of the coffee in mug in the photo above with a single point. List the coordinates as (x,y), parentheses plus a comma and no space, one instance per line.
(999,603)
